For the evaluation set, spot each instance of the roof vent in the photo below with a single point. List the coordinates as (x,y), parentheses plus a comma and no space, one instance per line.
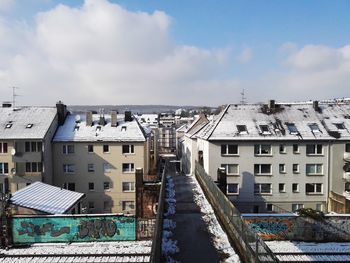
(89,118)
(102,118)
(114,122)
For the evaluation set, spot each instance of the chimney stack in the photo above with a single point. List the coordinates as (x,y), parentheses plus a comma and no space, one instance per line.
(114,122)
(88,118)
(128,116)
(271,104)
(315,105)
(61,112)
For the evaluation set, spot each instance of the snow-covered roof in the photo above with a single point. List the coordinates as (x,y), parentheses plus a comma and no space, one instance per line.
(147,119)
(46,198)
(75,129)
(284,122)
(182,128)
(26,122)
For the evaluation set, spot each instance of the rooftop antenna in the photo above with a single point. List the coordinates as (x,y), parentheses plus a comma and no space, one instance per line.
(14,95)
(243,98)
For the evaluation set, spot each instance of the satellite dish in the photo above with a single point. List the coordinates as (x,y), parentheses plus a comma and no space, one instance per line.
(77,118)
(13,151)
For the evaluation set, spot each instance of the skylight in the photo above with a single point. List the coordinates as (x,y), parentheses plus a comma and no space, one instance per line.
(340,126)
(292,128)
(8,126)
(264,129)
(242,129)
(29,125)
(314,127)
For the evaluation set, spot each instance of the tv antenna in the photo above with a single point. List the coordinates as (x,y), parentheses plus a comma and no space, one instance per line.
(243,98)
(14,95)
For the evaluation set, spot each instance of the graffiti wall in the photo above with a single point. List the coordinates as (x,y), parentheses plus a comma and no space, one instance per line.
(43,229)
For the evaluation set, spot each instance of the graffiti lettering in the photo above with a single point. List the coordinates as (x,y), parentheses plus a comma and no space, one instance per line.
(36,230)
(97,228)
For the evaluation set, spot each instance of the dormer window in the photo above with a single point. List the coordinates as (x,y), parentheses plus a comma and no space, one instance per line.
(292,129)
(264,129)
(123,128)
(29,125)
(340,126)
(98,128)
(314,127)
(242,129)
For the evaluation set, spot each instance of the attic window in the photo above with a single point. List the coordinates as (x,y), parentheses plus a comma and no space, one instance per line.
(76,128)
(292,128)
(242,129)
(314,127)
(264,129)
(30,125)
(123,128)
(98,128)
(8,126)
(340,126)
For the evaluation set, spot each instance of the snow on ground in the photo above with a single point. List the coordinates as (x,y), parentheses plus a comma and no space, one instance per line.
(307,247)
(220,238)
(169,246)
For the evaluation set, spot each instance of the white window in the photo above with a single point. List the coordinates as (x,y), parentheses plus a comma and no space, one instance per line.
(229,149)
(34,167)
(68,149)
(128,168)
(295,188)
(262,169)
(231,169)
(3,147)
(282,188)
(128,205)
(314,188)
(91,167)
(262,189)
(4,168)
(282,168)
(314,169)
(262,149)
(232,189)
(106,185)
(296,207)
(314,149)
(107,168)
(282,148)
(296,168)
(128,149)
(295,148)
(128,186)
(69,168)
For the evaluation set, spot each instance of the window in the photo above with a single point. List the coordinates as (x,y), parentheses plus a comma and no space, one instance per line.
(128,186)
(262,169)
(295,168)
(68,149)
(229,149)
(91,167)
(106,148)
(128,205)
(282,148)
(69,186)
(314,127)
(292,128)
(282,168)
(264,129)
(296,207)
(295,188)
(4,168)
(347,147)
(91,186)
(231,169)
(232,189)
(106,206)
(262,189)
(295,148)
(319,207)
(3,147)
(34,167)
(314,169)
(314,188)
(262,149)
(91,205)
(127,149)
(242,129)
(282,188)
(128,168)
(69,168)
(314,149)
(33,146)
(269,207)
(90,148)
(29,125)
(106,185)
(340,126)
(107,168)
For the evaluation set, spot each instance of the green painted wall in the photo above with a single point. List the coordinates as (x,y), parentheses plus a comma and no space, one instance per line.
(43,229)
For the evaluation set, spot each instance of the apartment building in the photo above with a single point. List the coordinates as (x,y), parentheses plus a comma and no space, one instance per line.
(276,156)
(25,144)
(167,133)
(97,154)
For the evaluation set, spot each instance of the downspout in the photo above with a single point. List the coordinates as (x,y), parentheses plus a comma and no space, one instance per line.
(329,174)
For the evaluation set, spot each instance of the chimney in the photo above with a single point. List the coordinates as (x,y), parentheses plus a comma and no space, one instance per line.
(114,122)
(6,104)
(128,116)
(315,105)
(271,104)
(88,118)
(61,112)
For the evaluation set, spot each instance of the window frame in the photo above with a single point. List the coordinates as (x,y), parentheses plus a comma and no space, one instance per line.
(3,147)
(232,193)
(225,149)
(107,168)
(313,149)
(315,165)
(282,149)
(259,173)
(284,170)
(68,149)
(91,168)
(129,150)
(297,189)
(90,148)
(130,166)
(315,188)
(106,186)
(226,166)
(296,171)
(283,190)
(259,148)
(258,189)
(131,188)
(296,148)
(91,189)
(67,170)
(105,148)
(4,168)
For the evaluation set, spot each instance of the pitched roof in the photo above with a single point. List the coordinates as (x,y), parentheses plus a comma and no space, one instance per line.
(75,129)
(26,122)
(46,198)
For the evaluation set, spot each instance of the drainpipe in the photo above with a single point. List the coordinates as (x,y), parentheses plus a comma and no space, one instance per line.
(329,174)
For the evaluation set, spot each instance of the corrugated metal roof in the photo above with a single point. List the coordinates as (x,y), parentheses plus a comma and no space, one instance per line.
(26,122)
(46,198)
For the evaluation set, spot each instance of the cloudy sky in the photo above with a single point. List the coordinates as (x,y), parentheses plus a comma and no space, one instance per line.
(173,52)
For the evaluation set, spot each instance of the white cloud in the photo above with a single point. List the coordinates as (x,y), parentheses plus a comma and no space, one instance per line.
(101,53)
(6,5)
(245,56)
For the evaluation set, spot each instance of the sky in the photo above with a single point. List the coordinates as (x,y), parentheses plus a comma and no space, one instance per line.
(173,52)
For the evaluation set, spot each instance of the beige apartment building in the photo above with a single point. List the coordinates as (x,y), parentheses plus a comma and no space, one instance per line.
(97,154)
(25,144)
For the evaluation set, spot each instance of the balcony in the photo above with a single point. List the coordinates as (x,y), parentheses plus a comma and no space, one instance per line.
(347,156)
(22,157)
(346,177)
